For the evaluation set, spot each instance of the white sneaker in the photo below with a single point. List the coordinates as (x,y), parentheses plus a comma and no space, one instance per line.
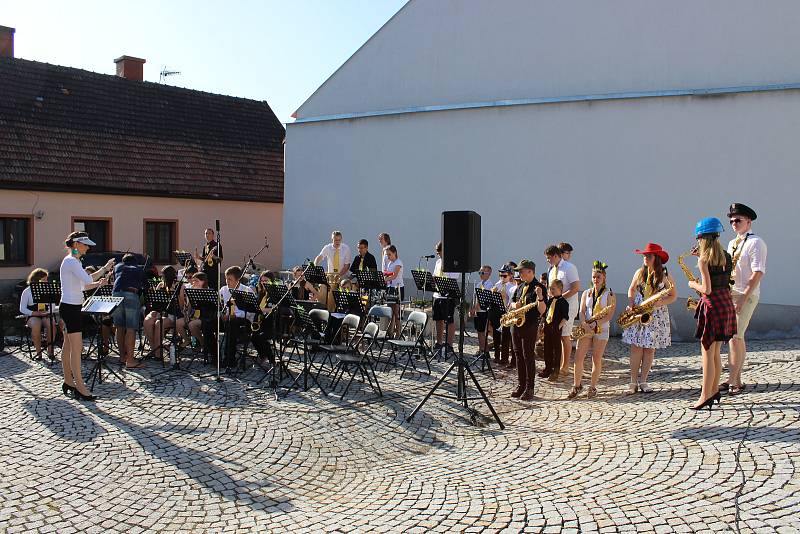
(645,388)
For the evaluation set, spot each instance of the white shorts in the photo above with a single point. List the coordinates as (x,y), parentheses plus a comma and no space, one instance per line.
(744,316)
(573,314)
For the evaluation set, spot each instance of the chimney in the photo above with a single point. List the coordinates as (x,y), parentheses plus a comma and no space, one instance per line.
(6,41)
(130,68)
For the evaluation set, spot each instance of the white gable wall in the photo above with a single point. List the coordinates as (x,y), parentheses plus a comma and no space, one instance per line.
(457,51)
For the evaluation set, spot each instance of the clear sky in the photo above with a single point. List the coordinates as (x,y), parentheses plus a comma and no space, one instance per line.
(274,50)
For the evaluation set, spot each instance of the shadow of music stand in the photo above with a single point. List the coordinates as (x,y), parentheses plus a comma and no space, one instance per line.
(309,328)
(48,294)
(458,361)
(203,299)
(490,302)
(97,307)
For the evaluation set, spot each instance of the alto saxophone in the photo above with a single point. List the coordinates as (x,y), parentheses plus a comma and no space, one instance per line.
(643,312)
(578,332)
(516,317)
(691,304)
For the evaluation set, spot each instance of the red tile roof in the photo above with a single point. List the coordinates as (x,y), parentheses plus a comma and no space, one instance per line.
(65,129)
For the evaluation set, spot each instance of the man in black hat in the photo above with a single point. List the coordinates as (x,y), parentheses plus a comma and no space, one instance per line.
(749,253)
(524,337)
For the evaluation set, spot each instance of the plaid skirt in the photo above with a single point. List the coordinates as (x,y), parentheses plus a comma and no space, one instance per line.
(716,317)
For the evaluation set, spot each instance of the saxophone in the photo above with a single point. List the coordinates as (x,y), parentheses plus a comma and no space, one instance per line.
(578,332)
(516,317)
(643,312)
(691,304)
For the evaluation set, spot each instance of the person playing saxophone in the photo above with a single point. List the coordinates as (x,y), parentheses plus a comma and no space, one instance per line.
(650,281)
(528,293)
(596,310)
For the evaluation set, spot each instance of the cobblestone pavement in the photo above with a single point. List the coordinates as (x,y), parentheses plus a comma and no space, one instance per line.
(179,453)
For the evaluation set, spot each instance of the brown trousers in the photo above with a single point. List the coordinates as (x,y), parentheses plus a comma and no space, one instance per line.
(524,346)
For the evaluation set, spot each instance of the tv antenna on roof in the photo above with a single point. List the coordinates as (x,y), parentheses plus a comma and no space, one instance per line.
(164,73)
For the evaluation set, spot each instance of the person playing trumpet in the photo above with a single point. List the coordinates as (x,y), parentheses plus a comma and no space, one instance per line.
(597,301)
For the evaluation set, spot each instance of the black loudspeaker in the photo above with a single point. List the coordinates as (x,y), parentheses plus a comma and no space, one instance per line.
(461,241)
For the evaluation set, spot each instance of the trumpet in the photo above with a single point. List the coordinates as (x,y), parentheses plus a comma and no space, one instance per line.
(643,312)
(691,304)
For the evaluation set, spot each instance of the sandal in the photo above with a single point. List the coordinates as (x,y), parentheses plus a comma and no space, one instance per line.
(574,392)
(735,390)
(137,365)
(591,393)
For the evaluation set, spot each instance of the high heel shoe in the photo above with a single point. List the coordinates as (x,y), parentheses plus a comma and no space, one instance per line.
(717,397)
(81,396)
(66,389)
(708,402)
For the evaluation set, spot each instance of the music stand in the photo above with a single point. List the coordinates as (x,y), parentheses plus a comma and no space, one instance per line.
(48,294)
(97,307)
(371,281)
(182,257)
(158,301)
(204,299)
(460,362)
(424,281)
(347,301)
(95,342)
(489,302)
(308,328)
(315,274)
(280,294)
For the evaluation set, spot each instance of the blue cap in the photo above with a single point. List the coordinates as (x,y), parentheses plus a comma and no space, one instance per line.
(709,225)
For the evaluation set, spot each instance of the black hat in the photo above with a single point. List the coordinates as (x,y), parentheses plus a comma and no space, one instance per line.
(506,268)
(741,209)
(526,264)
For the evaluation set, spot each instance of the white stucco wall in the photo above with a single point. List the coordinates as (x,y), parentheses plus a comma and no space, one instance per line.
(455,51)
(605,176)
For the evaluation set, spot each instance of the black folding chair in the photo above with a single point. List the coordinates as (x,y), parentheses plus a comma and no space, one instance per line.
(359,361)
(411,348)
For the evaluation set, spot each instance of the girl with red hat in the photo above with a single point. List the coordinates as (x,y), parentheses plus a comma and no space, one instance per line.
(644,339)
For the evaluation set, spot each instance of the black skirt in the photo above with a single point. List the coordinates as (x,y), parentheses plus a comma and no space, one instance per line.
(71,315)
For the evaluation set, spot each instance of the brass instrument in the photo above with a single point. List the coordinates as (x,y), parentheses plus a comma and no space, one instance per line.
(691,304)
(255,326)
(210,256)
(326,291)
(578,332)
(516,317)
(643,312)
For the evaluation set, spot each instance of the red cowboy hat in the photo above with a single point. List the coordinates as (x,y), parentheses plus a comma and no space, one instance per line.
(654,248)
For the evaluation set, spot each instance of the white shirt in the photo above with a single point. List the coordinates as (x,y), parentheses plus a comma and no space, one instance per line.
(438,271)
(225,293)
(328,252)
(752,259)
(73,279)
(26,299)
(385,259)
(604,298)
(511,287)
(567,273)
(398,281)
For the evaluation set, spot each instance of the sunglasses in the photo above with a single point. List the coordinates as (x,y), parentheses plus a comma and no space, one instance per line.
(735,221)
(504,275)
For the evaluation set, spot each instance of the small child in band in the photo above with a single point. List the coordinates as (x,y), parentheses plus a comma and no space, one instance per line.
(554,320)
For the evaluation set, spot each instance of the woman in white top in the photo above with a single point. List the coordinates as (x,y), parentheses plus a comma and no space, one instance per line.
(394,279)
(37,315)
(74,281)
(596,298)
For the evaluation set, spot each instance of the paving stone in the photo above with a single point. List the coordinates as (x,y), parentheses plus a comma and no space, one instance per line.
(178,453)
